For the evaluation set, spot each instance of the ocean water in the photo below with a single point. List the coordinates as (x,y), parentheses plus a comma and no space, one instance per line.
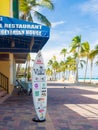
(94,80)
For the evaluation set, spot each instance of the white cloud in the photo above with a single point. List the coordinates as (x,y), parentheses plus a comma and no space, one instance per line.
(90,7)
(64,36)
(48,54)
(54,24)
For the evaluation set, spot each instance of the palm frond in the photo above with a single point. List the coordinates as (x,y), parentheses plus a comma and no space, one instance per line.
(23,6)
(77,39)
(85,46)
(81,65)
(42,18)
(46,3)
(32,2)
(83,61)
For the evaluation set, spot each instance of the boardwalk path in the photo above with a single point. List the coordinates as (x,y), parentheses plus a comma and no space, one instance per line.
(70,108)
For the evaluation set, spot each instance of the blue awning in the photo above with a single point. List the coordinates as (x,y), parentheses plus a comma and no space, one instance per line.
(22,36)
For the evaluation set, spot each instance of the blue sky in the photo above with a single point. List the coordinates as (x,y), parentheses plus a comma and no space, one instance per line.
(71,18)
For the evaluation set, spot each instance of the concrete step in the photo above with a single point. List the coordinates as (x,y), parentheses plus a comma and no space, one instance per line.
(3,93)
(3,96)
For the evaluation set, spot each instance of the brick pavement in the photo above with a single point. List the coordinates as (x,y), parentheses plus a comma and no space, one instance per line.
(70,108)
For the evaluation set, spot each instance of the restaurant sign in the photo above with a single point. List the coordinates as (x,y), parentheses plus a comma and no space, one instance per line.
(12,26)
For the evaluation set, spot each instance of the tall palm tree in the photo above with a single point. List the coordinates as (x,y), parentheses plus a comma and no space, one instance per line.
(91,58)
(92,55)
(63,52)
(75,48)
(55,67)
(50,62)
(84,52)
(71,64)
(63,67)
(28,10)
(59,70)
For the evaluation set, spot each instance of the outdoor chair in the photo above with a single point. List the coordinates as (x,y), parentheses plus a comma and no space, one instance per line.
(30,91)
(21,88)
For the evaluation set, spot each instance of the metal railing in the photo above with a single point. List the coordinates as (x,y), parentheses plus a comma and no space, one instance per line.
(4,82)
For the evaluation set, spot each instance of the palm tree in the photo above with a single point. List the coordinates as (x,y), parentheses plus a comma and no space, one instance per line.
(92,55)
(91,58)
(50,62)
(55,67)
(59,70)
(71,64)
(84,52)
(49,73)
(28,10)
(63,52)
(75,48)
(63,67)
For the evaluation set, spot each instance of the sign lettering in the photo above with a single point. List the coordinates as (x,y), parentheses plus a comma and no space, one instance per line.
(39,71)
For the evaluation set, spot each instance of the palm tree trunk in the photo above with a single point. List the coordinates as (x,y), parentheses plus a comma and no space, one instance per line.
(59,75)
(26,69)
(85,70)
(91,71)
(77,63)
(68,74)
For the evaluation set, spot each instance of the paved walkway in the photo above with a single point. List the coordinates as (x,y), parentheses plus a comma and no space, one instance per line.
(69,108)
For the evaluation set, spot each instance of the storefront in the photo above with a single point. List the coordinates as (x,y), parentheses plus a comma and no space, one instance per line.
(17,39)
